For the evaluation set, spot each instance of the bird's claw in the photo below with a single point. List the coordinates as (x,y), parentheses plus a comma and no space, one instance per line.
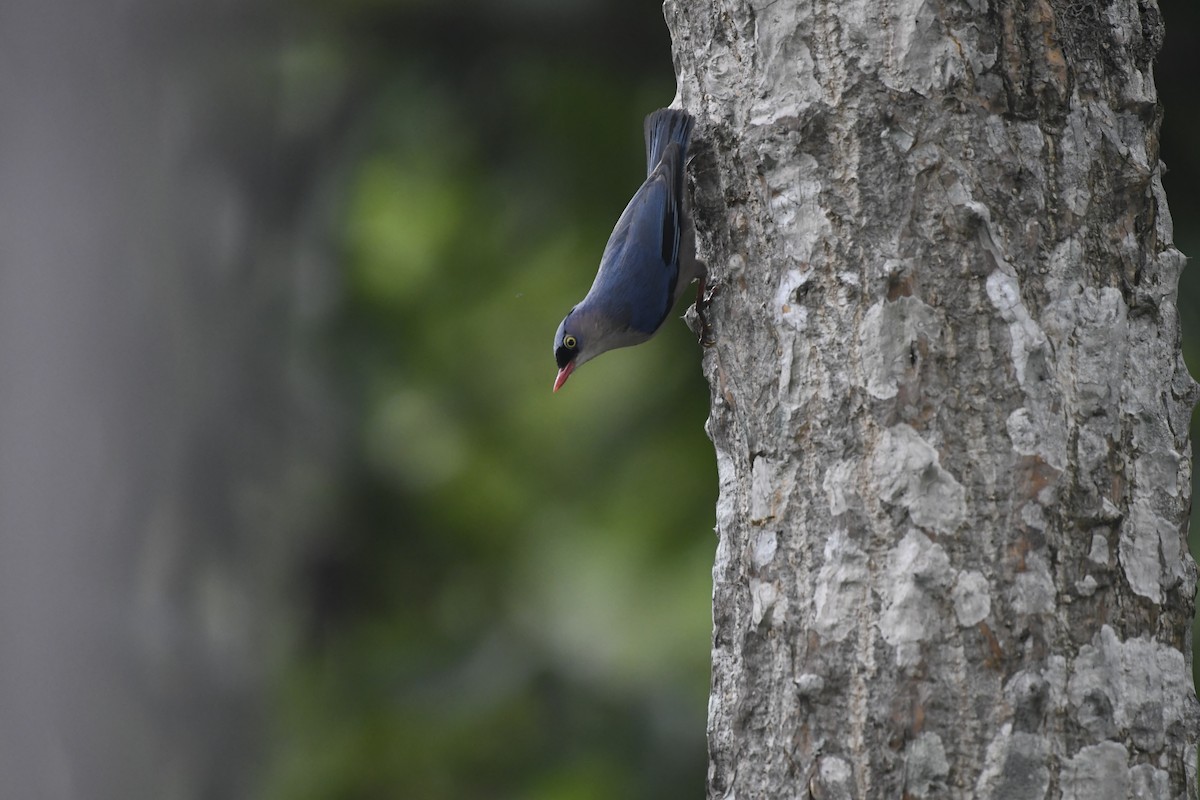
(704,298)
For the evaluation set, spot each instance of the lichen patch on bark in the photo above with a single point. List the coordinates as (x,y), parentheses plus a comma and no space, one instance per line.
(906,472)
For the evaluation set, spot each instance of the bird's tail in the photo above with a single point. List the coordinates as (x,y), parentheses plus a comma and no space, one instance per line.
(663,127)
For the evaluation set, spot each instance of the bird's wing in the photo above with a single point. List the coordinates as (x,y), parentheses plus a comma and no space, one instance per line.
(640,265)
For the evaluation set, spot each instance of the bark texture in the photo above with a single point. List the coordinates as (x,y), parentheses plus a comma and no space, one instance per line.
(948,401)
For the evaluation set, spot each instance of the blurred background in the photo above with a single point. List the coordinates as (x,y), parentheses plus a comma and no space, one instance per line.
(287,509)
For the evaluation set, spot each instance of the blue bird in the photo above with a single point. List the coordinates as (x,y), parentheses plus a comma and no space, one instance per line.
(648,263)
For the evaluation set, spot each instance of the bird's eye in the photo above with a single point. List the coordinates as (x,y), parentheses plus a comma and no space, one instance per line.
(569,342)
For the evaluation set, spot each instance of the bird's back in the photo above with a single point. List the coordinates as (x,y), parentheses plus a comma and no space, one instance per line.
(638,278)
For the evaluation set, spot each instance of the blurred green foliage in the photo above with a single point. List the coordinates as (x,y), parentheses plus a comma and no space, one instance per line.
(1175,75)
(513,600)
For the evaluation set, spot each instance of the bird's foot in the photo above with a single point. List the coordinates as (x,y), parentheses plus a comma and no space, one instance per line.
(704,297)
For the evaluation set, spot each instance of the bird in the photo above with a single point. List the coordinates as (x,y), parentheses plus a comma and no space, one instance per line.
(648,263)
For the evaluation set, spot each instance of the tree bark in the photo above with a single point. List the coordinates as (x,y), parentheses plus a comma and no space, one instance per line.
(948,401)
(155,243)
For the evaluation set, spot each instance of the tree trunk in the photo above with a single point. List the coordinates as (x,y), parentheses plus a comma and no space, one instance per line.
(948,401)
(154,447)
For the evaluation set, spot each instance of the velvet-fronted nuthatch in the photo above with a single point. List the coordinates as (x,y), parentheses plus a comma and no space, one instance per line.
(648,263)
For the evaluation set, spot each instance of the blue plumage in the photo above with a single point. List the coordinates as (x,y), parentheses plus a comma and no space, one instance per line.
(648,262)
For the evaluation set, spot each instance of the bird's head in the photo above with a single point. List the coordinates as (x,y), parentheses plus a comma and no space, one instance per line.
(585,333)
(569,348)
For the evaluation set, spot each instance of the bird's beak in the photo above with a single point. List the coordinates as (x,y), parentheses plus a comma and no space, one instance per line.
(563,374)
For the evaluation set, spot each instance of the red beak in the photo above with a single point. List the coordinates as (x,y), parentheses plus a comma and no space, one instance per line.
(563,374)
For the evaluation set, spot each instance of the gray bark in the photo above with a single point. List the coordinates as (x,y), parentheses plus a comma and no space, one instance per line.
(152,480)
(948,401)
